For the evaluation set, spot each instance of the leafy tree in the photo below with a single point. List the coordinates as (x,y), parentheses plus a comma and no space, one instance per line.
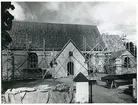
(6,23)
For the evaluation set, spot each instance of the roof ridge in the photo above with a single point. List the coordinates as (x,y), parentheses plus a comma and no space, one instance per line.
(56,23)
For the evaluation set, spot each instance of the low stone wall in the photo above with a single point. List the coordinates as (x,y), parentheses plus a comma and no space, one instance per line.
(60,93)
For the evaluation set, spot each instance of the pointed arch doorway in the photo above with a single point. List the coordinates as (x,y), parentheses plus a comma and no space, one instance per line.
(70,68)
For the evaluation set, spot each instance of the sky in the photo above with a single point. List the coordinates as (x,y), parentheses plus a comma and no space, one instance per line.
(113,18)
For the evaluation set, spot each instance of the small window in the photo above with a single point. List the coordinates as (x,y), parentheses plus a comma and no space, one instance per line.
(127,62)
(70,54)
(33,60)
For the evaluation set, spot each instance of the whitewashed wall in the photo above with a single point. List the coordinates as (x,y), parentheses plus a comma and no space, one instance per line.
(82,92)
(62,61)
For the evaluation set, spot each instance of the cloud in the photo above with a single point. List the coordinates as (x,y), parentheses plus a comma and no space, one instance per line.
(51,6)
(110,17)
(18,12)
(22,12)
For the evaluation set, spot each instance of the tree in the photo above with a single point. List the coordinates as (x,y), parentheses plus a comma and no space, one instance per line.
(131,47)
(6,23)
(135,47)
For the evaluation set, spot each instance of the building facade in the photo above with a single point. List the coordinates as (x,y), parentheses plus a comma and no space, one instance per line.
(41,46)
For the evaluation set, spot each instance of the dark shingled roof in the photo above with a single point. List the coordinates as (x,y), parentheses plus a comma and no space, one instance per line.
(80,78)
(55,35)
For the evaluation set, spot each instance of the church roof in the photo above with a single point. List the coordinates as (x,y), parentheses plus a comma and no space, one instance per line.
(113,43)
(56,35)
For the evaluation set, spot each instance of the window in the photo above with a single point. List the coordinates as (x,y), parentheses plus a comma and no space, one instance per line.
(127,62)
(70,68)
(70,53)
(33,60)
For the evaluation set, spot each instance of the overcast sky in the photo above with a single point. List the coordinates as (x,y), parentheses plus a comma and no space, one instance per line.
(110,17)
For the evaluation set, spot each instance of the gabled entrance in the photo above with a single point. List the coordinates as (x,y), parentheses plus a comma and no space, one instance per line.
(69,61)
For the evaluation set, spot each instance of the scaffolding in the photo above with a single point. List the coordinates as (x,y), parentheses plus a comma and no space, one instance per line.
(106,54)
(45,70)
(13,68)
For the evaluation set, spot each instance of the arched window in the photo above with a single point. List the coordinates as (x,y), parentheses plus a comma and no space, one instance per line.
(127,62)
(70,68)
(33,60)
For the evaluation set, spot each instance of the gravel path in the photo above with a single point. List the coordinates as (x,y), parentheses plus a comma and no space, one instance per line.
(105,95)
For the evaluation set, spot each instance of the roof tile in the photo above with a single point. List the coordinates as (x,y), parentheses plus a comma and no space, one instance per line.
(56,35)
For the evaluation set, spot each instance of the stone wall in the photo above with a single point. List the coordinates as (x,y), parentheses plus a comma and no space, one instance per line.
(61,93)
(97,62)
(20,63)
(6,68)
